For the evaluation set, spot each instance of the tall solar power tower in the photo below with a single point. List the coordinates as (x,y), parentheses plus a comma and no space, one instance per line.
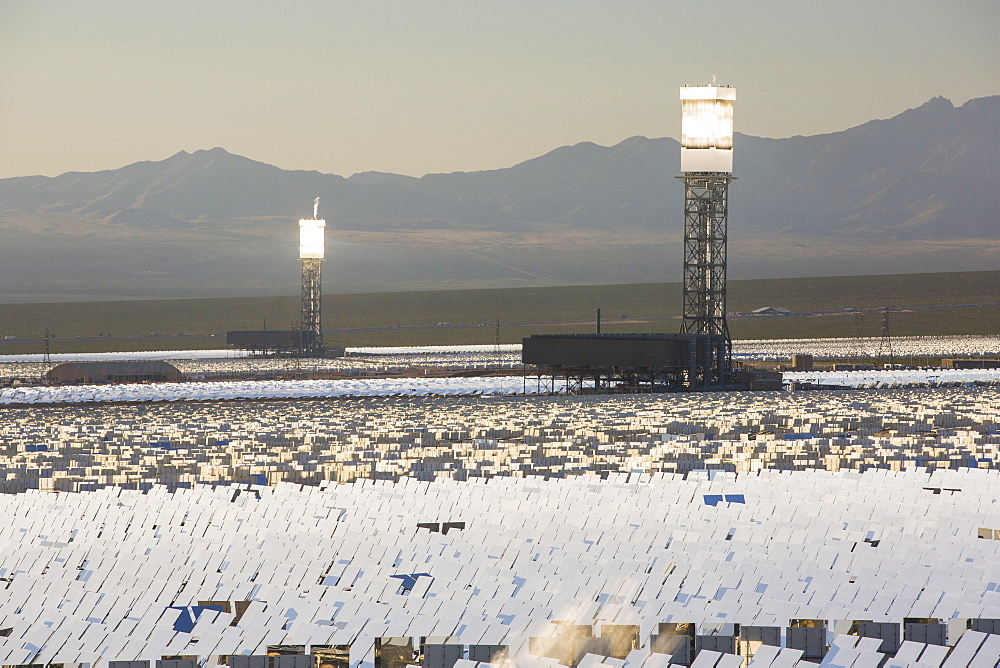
(312,246)
(707,166)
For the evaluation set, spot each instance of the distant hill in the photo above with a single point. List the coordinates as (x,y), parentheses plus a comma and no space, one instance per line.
(930,172)
(206,218)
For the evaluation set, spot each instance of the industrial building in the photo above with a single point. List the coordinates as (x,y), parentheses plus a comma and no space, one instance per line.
(135,371)
(970,364)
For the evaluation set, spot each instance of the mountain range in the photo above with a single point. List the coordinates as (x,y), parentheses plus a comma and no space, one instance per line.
(922,187)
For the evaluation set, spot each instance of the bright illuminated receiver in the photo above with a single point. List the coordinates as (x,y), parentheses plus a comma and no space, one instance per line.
(311,240)
(707,128)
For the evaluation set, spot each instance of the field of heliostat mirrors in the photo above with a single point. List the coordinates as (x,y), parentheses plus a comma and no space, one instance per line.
(448,521)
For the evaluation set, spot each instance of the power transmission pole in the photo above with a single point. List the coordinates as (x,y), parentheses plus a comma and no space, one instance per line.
(885,345)
(859,335)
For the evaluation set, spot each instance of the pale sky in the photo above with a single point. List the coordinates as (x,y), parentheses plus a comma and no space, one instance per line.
(422,86)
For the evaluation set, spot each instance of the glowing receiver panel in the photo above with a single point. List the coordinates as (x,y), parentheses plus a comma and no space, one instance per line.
(707,128)
(311,242)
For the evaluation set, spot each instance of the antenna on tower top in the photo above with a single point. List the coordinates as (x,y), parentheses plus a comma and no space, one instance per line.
(316,209)
(714,81)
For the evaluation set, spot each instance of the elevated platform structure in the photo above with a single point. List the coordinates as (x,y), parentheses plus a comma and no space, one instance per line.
(281,343)
(627,362)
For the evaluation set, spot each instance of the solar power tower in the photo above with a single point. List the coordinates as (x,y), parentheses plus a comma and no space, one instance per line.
(707,166)
(311,252)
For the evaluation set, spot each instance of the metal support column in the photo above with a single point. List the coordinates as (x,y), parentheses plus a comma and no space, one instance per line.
(311,326)
(706,199)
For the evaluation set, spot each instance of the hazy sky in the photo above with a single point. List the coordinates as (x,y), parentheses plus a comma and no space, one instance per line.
(418,86)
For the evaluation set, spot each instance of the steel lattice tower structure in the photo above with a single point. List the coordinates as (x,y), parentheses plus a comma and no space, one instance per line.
(311,319)
(885,344)
(706,166)
(311,252)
